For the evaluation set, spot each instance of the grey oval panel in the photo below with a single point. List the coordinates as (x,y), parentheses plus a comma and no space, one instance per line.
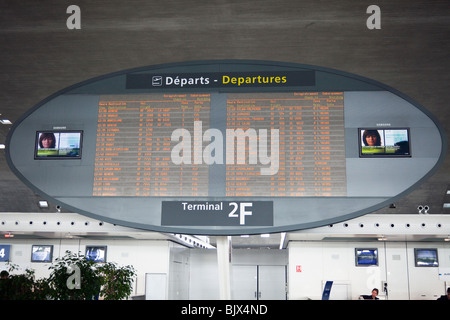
(225,147)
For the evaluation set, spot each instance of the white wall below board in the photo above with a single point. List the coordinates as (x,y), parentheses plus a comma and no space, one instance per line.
(312,263)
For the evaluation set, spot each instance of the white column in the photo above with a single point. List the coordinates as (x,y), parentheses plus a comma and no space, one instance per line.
(224,261)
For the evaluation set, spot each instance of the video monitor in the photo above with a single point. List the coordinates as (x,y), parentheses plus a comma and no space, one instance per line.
(41,253)
(384,142)
(96,253)
(426,257)
(58,145)
(366,257)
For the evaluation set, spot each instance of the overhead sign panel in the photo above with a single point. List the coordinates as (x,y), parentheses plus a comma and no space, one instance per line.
(225,147)
(272,79)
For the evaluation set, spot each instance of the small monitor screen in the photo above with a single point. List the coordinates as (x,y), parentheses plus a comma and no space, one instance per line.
(58,144)
(96,253)
(426,257)
(384,143)
(366,257)
(41,253)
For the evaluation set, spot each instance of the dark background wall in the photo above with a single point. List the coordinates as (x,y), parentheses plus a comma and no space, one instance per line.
(39,55)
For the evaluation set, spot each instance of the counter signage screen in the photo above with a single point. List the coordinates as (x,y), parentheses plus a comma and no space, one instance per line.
(96,253)
(41,253)
(58,145)
(384,143)
(426,257)
(366,257)
(4,252)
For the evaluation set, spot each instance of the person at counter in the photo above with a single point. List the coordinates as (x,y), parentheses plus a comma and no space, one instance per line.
(445,297)
(373,296)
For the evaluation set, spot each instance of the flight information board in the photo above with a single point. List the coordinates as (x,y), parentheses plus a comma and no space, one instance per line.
(133,149)
(285,144)
(225,147)
(311,157)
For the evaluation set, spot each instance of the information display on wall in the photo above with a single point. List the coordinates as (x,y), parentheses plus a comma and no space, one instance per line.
(273,144)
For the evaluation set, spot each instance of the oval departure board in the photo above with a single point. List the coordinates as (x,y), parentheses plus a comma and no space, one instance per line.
(225,147)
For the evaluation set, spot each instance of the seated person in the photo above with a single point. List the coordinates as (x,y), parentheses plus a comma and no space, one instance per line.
(445,297)
(371,297)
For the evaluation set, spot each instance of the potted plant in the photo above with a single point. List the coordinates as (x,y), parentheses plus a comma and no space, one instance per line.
(22,286)
(63,268)
(74,277)
(118,281)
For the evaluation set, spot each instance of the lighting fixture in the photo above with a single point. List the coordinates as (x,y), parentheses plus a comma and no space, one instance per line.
(283,237)
(43,204)
(192,241)
(423,209)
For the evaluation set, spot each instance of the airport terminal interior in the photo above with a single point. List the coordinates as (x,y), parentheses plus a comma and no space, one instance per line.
(401,247)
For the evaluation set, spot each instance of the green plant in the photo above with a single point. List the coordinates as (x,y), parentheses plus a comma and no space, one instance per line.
(41,289)
(63,268)
(72,277)
(97,280)
(117,281)
(21,286)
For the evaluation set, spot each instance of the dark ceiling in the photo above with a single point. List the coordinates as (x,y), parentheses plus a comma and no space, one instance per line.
(41,56)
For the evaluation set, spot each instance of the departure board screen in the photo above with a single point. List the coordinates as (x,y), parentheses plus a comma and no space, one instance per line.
(133,149)
(285,144)
(311,151)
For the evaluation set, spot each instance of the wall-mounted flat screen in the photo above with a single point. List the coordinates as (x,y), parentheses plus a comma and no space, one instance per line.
(96,253)
(384,143)
(58,144)
(366,257)
(41,253)
(426,257)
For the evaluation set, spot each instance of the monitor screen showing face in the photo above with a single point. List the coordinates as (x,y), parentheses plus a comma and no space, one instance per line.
(384,143)
(58,144)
